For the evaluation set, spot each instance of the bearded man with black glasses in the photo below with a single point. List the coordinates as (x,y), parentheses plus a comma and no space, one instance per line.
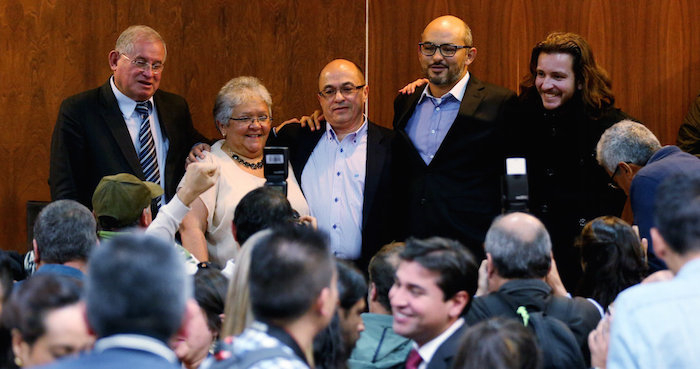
(449,146)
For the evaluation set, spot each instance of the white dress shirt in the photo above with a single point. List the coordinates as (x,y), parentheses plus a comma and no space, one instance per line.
(427,351)
(333,181)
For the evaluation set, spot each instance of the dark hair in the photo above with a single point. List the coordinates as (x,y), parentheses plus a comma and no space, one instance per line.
(382,269)
(29,304)
(677,212)
(289,268)
(455,264)
(65,230)
(210,293)
(136,285)
(351,285)
(498,343)
(596,91)
(329,348)
(612,259)
(261,208)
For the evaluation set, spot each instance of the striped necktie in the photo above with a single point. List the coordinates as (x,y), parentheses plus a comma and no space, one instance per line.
(147,152)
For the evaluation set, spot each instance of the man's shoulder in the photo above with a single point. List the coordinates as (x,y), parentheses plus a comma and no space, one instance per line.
(90,96)
(169,97)
(256,349)
(114,359)
(490,88)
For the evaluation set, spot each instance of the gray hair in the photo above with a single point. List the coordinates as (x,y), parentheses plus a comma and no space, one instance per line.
(234,93)
(520,250)
(65,230)
(628,142)
(137,284)
(133,34)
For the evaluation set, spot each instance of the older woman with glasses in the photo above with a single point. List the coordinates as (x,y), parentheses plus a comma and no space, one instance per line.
(242,114)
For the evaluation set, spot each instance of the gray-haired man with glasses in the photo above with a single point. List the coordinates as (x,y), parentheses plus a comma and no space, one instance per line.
(449,146)
(124,126)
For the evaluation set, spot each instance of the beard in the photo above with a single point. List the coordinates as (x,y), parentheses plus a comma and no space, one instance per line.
(446,78)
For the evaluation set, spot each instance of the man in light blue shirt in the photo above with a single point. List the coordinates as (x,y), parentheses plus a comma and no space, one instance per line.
(657,325)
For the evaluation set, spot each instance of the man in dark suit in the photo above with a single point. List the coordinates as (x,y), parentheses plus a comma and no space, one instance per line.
(106,131)
(449,147)
(434,285)
(343,167)
(137,297)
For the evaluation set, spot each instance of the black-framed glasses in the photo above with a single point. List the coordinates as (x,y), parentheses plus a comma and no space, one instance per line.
(249,120)
(346,90)
(611,183)
(447,50)
(145,66)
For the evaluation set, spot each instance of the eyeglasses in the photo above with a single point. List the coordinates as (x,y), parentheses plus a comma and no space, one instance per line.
(611,183)
(145,66)
(347,91)
(429,49)
(249,120)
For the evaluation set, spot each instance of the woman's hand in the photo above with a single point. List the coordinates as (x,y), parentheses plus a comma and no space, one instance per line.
(313,121)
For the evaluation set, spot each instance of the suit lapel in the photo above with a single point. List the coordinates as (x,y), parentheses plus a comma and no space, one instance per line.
(376,155)
(114,120)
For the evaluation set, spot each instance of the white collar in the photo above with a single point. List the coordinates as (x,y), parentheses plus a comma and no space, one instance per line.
(136,342)
(428,349)
(331,135)
(457,90)
(126,104)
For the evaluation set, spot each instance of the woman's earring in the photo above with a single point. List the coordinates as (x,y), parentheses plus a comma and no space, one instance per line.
(18,361)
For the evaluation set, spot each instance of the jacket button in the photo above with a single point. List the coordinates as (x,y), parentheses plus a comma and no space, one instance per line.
(549,172)
(423,201)
(582,222)
(544,208)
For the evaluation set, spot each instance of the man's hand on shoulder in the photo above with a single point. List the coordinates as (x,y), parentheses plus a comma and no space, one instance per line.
(411,87)
(197,152)
(198,178)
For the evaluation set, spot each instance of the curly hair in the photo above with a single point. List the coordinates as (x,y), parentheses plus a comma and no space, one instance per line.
(596,91)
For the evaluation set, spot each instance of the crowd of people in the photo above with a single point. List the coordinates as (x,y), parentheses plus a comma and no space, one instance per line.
(386,249)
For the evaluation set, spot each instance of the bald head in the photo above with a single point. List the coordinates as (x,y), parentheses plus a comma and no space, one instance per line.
(452,25)
(342,99)
(519,246)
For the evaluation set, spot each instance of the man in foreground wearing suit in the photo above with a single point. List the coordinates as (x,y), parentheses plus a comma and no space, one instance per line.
(434,286)
(343,167)
(137,297)
(449,147)
(124,126)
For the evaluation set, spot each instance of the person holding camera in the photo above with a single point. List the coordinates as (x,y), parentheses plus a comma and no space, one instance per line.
(242,114)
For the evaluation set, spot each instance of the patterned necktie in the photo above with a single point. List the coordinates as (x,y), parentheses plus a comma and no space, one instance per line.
(147,152)
(413,360)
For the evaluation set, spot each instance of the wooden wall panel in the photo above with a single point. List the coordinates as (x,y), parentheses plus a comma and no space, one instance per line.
(650,48)
(53,49)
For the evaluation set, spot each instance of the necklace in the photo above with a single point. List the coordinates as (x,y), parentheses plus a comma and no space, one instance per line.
(246,164)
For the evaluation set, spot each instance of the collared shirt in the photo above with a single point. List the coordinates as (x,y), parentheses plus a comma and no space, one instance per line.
(433,118)
(657,325)
(133,124)
(136,342)
(428,349)
(333,182)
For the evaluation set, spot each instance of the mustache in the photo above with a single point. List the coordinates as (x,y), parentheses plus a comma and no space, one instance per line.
(438,64)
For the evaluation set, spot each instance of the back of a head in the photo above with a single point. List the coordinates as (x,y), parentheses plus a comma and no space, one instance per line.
(136,284)
(119,200)
(382,269)
(261,208)
(520,246)
(292,266)
(351,285)
(455,263)
(612,259)
(498,343)
(677,212)
(29,304)
(210,293)
(64,231)
(626,141)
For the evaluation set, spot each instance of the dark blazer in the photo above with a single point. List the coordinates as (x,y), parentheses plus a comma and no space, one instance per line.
(375,208)
(442,359)
(90,140)
(458,194)
(115,358)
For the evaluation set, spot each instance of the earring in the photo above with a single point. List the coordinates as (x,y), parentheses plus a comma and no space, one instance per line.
(18,361)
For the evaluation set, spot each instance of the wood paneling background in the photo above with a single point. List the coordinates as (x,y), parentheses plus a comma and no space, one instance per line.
(52,49)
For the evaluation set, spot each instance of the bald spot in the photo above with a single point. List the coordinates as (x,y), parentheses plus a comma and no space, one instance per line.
(449,23)
(340,65)
(522,226)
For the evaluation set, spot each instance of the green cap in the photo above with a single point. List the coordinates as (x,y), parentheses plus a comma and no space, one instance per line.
(123,197)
